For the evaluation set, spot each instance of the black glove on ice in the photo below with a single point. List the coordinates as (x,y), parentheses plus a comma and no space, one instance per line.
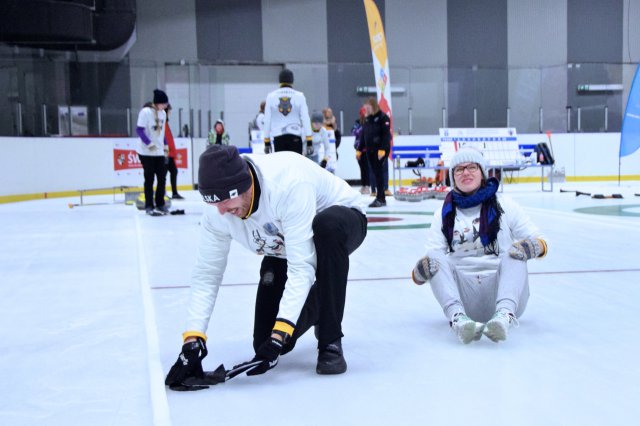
(268,353)
(189,364)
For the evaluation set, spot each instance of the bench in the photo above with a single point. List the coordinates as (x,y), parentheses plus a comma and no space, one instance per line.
(505,156)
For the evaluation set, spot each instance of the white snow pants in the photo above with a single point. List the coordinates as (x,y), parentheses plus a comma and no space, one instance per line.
(479,296)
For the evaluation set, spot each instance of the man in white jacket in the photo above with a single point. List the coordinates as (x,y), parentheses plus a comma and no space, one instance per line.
(306,222)
(476,253)
(286,119)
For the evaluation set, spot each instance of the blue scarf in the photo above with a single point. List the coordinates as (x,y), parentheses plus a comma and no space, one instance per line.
(490,213)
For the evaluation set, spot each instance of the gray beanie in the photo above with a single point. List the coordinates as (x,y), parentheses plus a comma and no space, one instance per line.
(223,174)
(467,155)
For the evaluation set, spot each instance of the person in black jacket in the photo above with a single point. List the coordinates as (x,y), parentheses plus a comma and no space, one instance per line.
(376,135)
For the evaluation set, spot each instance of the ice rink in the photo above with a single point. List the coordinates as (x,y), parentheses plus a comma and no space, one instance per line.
(93,301)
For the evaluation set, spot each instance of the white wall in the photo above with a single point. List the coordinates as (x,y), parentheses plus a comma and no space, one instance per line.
(39,165)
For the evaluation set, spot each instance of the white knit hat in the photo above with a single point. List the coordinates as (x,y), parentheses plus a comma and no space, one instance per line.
(468,155)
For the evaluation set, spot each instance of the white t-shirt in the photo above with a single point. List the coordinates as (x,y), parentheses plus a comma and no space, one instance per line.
(153,122)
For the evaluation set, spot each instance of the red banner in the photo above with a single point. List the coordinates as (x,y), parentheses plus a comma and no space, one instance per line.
(182,158)
(125,159)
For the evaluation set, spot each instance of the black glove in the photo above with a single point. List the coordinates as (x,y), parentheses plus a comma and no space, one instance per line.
(268,353)
(310,150)
(268,149)
(188,365)
(323,163)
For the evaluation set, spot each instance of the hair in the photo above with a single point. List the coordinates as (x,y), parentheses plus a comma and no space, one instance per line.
(262,105)
(374,104)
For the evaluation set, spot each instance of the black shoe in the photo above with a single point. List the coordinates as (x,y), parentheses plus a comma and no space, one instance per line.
(378,203)
(330,359)
(177,197)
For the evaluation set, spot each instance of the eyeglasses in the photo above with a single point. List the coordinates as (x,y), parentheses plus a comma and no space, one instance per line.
(459,170)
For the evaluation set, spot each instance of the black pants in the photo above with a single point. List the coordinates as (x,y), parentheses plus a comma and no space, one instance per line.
(287,142)
(377,166)
(385,172)
(338,231)
(153,166)
(363,162)
(173,176)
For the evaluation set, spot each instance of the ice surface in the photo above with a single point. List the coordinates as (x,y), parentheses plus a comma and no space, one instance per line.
(74,330)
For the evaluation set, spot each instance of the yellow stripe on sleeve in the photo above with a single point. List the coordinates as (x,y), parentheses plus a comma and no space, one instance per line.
(285,327)
(543,243)
(188,334)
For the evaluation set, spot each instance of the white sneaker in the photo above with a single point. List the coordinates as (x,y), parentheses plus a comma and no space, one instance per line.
(498,326)
(164,210)
(465,328)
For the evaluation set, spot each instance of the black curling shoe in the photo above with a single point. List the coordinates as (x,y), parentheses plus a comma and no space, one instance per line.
(330,359)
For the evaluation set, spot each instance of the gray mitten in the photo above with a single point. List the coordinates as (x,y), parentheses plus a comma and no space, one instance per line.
(424,270)
(528,249)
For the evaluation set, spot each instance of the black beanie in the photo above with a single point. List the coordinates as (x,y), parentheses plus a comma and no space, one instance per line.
(223,174)
(286,76)
(159,97)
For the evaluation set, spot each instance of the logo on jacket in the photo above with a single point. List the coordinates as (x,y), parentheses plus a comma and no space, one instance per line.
(285,105)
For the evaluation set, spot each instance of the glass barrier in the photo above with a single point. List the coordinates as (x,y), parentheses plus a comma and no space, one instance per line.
(47,97)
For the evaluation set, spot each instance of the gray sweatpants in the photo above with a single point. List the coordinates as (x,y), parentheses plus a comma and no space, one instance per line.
(480,296)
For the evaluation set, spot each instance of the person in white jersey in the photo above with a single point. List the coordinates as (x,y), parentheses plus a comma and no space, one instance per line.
(322,151)
(477,251)
(305,222)
(286,119)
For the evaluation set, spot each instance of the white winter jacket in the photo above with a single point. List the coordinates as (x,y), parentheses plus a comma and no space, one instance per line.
(286,112)
(293,190)
(468,255)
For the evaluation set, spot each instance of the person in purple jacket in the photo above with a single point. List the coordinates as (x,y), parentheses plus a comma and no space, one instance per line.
(150,128)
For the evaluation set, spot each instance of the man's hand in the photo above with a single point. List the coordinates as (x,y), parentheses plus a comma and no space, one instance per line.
(424,270)
(188,365)
(381,154)
(358,155)
(268,353)
(528,249)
